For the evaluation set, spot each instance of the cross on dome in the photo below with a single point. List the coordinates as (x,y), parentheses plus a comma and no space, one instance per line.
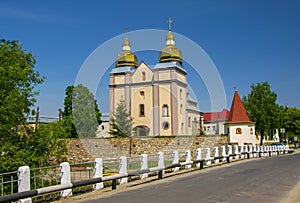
(170,23)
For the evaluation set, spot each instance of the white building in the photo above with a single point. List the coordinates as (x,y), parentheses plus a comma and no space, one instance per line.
(214,122)
(238,127)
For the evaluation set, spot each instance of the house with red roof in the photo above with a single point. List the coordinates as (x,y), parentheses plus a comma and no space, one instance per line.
(213,122)
(238,127)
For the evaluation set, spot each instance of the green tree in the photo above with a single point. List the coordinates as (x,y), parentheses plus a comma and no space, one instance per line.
(81,115)
(292,121)
(17,82)
(19,144)
(121,123)
(262,108)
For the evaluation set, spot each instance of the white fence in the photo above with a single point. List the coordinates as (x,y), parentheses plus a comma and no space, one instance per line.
(134,166)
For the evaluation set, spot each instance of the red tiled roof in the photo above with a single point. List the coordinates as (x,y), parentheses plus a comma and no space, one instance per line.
(216,116)
(238,112)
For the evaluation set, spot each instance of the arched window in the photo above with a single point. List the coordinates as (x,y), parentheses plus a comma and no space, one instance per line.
(165,110)
(180,93)
(143,76)
(238,131)
(180,108)
(142,110)
(251,131)
(189,121)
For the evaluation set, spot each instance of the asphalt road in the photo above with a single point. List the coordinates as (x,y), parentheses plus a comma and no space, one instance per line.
(260,180)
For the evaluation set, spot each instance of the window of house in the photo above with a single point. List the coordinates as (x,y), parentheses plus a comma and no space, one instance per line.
(102,127)
(143,76)
(238,131)
(142,93)
(251,131)
(142,110)
(180,93)
(180,108)
(189,121)
(165,110)
(208,128)
(204,128)
(214,128)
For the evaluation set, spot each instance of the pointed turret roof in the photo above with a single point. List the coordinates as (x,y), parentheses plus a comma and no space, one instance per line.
(238,112)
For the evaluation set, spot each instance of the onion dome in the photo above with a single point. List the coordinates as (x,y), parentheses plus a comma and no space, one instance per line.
(170,52)
(125,57)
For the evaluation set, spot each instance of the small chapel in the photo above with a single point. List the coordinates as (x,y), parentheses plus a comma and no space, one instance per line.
(238,126)
(156,98)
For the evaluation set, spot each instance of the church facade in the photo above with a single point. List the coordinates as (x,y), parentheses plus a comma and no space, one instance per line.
(156,98)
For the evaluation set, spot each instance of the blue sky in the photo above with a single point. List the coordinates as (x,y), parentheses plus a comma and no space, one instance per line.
(249,41)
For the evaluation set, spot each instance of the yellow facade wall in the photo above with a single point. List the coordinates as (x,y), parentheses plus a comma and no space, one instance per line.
(164,98)
(136,100)
(138,77)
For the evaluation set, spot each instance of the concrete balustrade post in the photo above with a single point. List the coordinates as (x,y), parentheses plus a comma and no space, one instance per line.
(207,156)
(198,157)
(188,158)
(236,151)
(223,153)
(216,154)
(144,165)
(262,151)
(24,182)
(246,151)
(254,151)
(250,151)
(161,160)
(123,168)
(287,148)
(230,152)
(266,149)
(257,151)
(65,178)
(175,160)
(242,151)
(98,172)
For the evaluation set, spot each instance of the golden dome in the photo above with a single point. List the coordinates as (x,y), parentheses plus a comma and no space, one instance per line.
(126,42)
(170,36)
(170,52)
(126,58)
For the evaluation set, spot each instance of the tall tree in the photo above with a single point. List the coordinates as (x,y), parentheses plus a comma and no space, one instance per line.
(81,115)
(18,79)
(292,121)
(17,82)
(121,123)
(262,108)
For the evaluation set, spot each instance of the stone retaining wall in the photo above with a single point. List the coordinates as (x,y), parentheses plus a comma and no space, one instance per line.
(85,150)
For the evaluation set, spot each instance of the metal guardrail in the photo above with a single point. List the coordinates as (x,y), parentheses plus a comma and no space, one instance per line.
(114,178)
(9,182)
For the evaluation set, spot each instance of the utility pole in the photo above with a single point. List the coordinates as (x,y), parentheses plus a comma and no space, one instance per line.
(59,115)
(37,118)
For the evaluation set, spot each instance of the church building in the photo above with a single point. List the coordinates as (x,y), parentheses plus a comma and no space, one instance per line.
(156,98)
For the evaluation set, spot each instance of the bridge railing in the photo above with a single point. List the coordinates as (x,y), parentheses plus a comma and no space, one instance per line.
(71,176)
